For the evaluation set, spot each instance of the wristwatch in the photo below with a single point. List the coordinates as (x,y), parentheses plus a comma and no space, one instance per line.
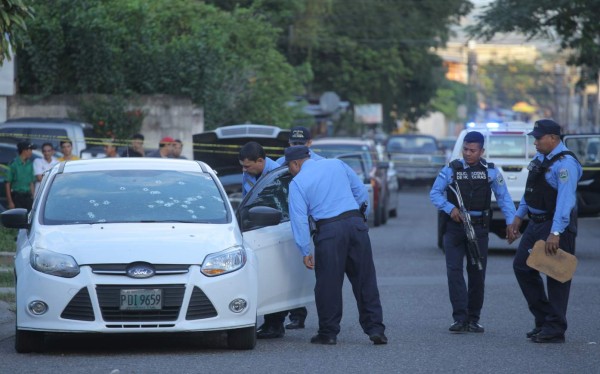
(556,233)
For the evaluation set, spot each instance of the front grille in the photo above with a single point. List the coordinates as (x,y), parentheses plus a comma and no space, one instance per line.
(121,269)
(200,306)
(109,300)
(514,169)
(80,307)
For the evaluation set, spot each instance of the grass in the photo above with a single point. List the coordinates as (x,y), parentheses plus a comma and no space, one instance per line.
(7,277)
(7,239)
(8,297)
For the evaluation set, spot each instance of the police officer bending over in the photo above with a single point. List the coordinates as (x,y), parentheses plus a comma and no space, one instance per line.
(331,193)
(476,179)
(550,202)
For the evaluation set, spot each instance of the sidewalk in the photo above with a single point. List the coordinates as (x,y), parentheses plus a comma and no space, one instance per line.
(7,321)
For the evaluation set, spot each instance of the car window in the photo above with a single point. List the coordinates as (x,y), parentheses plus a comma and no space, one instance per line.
(412,144)
(134,196)
(587,149)
(334,150)
(509,146)
(273,194)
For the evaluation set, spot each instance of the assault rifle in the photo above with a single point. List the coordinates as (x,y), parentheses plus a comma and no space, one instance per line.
(472,246)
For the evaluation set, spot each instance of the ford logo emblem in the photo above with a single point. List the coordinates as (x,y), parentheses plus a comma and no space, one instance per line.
(140,270)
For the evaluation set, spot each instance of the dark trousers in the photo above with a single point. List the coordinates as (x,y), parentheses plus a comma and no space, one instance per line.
(549,310)
(466,301)
(22,199)
(275,319)
(343,247)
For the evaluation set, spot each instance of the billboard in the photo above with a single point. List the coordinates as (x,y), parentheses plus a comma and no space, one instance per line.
(368,114)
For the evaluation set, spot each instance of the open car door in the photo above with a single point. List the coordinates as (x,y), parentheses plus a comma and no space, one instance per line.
(283,281)
(587,149)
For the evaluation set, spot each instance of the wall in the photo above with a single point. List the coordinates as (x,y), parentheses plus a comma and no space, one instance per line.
(166,115)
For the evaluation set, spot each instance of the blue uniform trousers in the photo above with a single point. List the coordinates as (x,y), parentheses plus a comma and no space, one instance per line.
(466,301)
(550,309)
(343,247)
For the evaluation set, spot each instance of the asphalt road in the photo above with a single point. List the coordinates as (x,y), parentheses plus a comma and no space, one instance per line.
(417,313)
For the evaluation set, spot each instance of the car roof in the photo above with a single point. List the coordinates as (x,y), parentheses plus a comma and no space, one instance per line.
(134,163)
(350,141)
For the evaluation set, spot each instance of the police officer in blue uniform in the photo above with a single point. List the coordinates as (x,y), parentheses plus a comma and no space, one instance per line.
(550,203)
(331,194)
(476,179)
(299,135)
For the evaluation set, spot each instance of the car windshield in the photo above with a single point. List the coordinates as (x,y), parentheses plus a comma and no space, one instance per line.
(510,146)
(334,150)
(412,144)
(134,196)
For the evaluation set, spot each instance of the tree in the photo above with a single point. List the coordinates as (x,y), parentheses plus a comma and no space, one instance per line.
(573,22)
(13,14)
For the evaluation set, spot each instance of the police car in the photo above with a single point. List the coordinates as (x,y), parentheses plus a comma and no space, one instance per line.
(508,146)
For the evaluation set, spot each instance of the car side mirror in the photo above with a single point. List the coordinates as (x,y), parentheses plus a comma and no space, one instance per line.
(264,216)
(15,218)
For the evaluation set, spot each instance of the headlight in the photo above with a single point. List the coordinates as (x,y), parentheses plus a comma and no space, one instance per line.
(224,262)
(53,263)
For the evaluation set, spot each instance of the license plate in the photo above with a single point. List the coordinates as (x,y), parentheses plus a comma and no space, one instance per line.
(141,299)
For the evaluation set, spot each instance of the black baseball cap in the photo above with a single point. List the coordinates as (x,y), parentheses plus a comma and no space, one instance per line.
(296,152)
(299,134)
(545,127)
(21,146)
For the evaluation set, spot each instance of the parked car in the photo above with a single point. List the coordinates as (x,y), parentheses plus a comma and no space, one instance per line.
(587,149)
(416,158)
(135,245)
(385,187)
(220,148)
(49,130)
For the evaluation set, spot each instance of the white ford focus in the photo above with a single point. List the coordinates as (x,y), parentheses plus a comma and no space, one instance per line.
(150,245)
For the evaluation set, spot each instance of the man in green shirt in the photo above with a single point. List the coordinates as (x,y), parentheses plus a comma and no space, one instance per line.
(20,179)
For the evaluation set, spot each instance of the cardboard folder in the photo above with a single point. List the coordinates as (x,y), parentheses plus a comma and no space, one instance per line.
(561,266)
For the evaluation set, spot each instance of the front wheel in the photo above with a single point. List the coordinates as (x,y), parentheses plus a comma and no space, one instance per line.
(242,339)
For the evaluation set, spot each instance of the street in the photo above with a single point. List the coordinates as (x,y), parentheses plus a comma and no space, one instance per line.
(417,313)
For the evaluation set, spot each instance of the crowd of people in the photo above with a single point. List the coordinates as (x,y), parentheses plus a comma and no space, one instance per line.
(24,173)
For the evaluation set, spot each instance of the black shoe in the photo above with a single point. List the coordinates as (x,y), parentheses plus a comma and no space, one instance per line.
(548,338)
(378,339)
(322,339)
(534,332)
(294,324)
(459,327)
(270,332)
(475,327)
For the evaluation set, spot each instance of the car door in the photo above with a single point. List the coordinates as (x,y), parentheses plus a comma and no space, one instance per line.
(283,281)
(587,150)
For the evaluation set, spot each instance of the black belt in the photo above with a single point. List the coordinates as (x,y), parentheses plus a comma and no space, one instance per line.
(350,213)
(539,218)
(28,193)
(479,220)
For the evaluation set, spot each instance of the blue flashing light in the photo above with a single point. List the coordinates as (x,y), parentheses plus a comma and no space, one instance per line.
(471,124)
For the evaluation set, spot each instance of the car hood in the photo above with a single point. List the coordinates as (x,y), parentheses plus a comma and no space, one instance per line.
(167,243)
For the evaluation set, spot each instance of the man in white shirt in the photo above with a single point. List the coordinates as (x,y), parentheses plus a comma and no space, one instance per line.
(40,165)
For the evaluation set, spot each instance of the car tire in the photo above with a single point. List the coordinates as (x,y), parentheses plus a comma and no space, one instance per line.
(242,339)
(28,341)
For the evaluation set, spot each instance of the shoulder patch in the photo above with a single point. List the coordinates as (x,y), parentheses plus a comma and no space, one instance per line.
(563,175)
(500,179)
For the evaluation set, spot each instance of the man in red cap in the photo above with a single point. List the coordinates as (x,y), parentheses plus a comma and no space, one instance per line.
(165,148)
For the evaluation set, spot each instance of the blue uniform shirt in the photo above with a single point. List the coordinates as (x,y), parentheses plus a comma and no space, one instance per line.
(562,176)
(496,181)
(313,156)
(322,190)
(248,181)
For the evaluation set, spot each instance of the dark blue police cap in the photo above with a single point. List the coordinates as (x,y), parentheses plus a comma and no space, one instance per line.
(299,134)
(474,137)
(544,127)
(296,152)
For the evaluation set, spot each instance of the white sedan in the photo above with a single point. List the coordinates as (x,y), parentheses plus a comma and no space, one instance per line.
(150,245)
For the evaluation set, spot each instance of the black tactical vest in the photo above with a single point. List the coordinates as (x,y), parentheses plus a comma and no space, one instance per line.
(474,185)
(539,194)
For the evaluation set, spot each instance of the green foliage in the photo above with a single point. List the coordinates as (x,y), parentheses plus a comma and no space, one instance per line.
(224,61)
(13,14)
(7,277)
(110,116)
(450,95)
(574,23)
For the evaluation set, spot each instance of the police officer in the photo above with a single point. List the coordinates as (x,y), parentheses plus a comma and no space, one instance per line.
(255,164)
(19,185)
(550,203)
(476,179)
(331,193)
(299,135)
